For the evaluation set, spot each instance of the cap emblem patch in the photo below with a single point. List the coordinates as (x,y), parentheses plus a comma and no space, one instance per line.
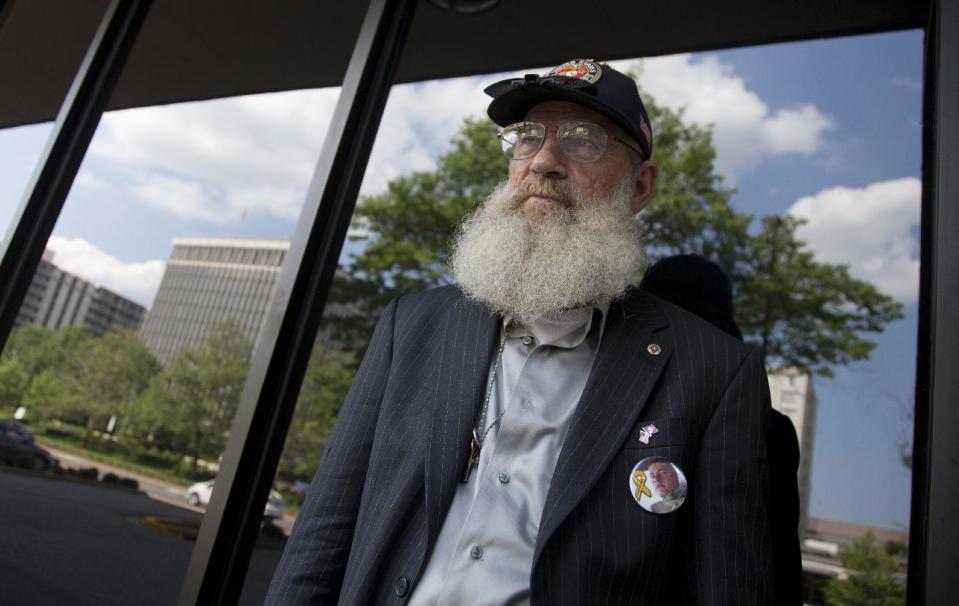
(580,69)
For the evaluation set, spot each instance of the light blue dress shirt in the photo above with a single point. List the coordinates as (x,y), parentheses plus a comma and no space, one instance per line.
(484,551)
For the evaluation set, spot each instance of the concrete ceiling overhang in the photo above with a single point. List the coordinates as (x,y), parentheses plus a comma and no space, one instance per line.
(192,50)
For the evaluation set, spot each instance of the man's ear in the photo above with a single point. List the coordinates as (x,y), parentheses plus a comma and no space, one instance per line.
(645,179)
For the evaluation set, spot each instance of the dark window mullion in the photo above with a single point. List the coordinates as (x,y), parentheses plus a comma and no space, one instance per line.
(22,249)
(229,529)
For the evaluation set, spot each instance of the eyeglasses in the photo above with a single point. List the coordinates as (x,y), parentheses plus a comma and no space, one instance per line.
(579,141)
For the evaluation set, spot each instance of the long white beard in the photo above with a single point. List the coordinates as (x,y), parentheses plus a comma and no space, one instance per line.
(528,264)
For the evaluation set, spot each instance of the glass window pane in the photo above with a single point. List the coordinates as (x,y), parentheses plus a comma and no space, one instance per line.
(810,204)
(129,370)
(191,234)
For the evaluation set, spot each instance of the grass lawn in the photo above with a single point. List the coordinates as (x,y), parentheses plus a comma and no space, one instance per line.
(117,459)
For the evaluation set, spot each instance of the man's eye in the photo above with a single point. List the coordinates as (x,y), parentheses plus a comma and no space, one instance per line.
(581,142)
(527,141)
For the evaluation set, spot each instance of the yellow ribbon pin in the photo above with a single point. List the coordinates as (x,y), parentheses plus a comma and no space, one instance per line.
(639,479)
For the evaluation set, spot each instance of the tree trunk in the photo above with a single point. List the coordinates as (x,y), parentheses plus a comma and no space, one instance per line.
(88,430)
(197,449)
(770,271)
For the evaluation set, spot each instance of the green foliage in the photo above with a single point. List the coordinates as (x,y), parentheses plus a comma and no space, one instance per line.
(801,312)
(189,407)
(14,381)
(327,381)
(690,212)
(72,374)
(873,576)
(804,313)
(414,221)
(30,351)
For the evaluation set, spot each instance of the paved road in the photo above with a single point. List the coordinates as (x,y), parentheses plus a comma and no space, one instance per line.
(156,489)
(83,543)
(167,492)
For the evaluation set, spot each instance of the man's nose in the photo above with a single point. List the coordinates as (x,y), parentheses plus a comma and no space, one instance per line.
(549,161)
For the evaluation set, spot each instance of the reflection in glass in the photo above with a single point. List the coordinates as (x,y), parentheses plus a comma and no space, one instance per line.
(813,317)
(154,418)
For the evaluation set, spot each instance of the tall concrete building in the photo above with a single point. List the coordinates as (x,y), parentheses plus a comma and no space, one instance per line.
(793,395)
(31,308)
(57,298)
(207,281)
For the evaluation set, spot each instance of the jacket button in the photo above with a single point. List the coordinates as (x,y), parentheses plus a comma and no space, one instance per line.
(402,586)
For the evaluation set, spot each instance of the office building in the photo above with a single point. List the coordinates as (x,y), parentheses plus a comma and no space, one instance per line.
(31,308)
(793,395)
(57,298)
(207,281)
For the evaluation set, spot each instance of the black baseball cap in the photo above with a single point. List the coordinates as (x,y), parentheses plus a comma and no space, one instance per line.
(583,81)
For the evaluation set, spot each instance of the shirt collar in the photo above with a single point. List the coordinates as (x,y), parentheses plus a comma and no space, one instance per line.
(566,329)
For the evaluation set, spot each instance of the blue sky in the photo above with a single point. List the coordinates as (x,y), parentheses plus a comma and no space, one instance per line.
(828,130)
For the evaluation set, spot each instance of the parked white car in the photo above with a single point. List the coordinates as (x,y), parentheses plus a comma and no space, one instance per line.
(198,495)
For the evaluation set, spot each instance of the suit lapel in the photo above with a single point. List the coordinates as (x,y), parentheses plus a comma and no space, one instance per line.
(618,388)
(468,333)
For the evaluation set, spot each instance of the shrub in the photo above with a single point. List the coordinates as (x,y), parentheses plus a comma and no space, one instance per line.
(156,457)
(88,473)
(130,483)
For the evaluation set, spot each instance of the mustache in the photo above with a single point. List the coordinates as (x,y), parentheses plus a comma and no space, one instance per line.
(560,191)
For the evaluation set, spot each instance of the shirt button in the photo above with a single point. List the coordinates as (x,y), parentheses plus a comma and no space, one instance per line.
(503,478)
(527,340)
(476,552)
(402,586)
(526,403)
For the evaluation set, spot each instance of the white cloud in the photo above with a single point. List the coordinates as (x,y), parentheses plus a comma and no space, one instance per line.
(217,160)
(138,281)
(418,123)
(795,130)
(87,179)
(220,160)
(871,229)
(745,130)
(183,199)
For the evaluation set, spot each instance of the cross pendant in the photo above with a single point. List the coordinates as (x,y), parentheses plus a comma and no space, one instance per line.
(473,459)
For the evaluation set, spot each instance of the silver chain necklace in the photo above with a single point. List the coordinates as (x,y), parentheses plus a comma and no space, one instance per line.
(477,440)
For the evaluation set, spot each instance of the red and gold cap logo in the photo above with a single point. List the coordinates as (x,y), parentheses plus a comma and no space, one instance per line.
(580,69)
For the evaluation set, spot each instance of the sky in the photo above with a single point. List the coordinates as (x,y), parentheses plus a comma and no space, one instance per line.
(829,131)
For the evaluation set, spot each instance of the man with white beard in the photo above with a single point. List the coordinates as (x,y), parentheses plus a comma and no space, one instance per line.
(493,448)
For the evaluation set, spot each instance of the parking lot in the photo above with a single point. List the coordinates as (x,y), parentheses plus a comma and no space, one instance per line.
(70,542)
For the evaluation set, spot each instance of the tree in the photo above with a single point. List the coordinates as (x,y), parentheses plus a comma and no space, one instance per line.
(328,378)
(72,374)
(801,312)
(29,351)
(413,222)
(690,211)
(873,578)
(193,401)
(14,381)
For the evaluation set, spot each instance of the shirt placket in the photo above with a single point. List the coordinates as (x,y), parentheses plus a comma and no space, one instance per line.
(496,497)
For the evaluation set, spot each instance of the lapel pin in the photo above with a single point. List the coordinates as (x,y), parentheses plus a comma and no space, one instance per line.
(658,485)
(645,433)
(654,349)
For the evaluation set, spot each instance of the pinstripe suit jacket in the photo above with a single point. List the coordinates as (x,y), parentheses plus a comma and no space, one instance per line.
(400,444)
